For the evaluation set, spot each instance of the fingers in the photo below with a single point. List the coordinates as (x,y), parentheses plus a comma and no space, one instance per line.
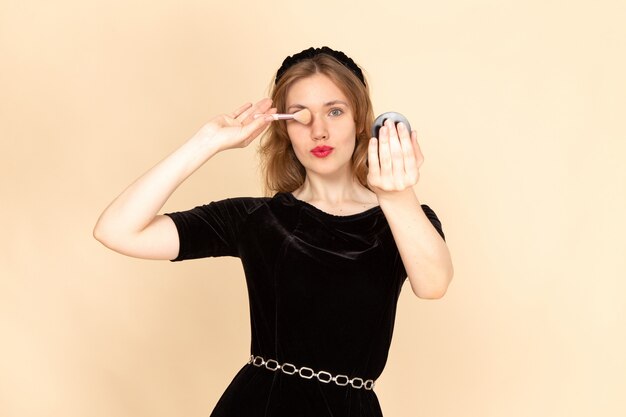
(254,126)
(408,139)
(398,138)
(419,157)
(259,107)
(391,151)
(384,152)
(372,159)
(240,110)
(254,129)
(246,110)
(394,158)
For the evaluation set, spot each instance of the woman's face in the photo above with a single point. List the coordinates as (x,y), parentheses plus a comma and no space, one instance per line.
(325,145)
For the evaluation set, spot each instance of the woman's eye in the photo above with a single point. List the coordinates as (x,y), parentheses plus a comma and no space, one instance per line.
(336,112)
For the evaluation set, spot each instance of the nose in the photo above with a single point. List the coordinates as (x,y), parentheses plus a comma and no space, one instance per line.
(319,129)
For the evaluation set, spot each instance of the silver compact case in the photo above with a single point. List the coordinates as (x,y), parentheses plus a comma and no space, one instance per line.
(391,115)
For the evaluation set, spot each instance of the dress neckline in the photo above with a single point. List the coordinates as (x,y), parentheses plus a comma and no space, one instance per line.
(314,209)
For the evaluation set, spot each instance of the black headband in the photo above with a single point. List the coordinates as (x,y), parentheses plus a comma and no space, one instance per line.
(344,59)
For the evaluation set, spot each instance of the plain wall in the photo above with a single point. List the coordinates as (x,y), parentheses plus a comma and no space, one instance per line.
(519,107)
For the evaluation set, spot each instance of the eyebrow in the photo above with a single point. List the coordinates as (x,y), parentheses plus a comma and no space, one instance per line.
(327,104)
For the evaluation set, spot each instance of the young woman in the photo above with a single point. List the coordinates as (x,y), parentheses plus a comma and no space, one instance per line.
(325,257)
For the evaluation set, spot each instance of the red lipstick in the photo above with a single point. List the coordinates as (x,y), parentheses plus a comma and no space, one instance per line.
(322,151)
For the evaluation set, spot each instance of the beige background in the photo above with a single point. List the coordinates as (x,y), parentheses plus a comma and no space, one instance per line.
(520,109)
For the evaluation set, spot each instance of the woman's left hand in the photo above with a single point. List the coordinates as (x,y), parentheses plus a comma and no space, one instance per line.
(394,159)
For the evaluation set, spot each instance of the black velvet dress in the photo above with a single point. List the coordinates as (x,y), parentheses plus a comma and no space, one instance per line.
(323,291)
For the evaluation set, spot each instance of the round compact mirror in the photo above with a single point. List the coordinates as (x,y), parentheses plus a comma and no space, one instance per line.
(395,117)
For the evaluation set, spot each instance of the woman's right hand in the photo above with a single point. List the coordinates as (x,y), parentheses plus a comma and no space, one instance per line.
(238,128)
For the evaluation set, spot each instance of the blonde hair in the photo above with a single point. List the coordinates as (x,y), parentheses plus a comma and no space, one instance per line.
(282,171)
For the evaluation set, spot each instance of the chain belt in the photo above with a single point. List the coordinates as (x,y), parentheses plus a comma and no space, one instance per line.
(308,373)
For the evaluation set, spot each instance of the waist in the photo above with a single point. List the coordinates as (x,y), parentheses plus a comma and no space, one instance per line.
(309,373)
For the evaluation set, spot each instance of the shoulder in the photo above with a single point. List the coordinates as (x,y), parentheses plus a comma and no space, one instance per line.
(235,207)
(245,204)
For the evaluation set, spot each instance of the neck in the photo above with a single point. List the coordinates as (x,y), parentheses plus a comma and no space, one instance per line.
(333,191)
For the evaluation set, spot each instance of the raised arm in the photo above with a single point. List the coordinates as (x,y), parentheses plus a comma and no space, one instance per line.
(131,224)
(394,161)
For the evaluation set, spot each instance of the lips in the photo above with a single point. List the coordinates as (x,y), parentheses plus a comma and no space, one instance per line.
(322,151)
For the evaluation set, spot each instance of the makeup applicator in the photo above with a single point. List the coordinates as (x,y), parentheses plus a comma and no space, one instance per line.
(303,116)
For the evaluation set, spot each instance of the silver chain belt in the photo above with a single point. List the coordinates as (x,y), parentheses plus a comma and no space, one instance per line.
(308,373)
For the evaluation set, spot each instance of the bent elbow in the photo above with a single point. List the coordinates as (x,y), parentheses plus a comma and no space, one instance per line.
(97,233)
(433,294)
(100,234)
(104,235)
(436,290)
